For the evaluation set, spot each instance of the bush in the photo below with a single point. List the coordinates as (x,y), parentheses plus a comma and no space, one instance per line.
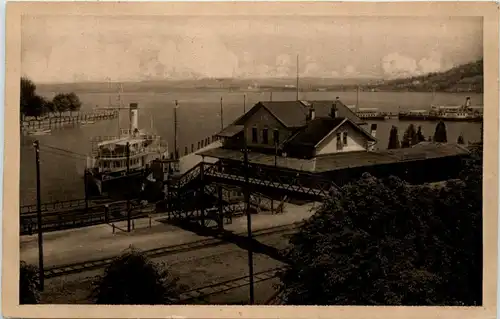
(385,242)
(134,279)
(28,284)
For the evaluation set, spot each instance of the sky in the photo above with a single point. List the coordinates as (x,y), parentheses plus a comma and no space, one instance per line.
(58,49)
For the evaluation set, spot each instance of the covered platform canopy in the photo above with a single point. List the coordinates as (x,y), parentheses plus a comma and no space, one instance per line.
(333,162)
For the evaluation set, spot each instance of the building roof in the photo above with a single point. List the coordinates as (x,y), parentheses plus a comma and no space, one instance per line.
(231,130)
(332,162)
(323,107)
(319,128)
(315,131)
(293,114)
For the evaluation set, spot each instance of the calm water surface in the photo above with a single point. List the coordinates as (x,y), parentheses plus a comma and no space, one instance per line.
(199,117)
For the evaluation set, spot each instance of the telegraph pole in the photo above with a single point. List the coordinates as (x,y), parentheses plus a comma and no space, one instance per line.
(221,115)
(249,223)
(127,193)
(41,274)
(244,103)
(297,77)
(271,96)
(175,128)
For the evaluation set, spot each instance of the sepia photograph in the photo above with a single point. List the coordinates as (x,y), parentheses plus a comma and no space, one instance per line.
(253,159)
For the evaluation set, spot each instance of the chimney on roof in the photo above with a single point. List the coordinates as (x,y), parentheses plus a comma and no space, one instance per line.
(334,113)
(373,132)
(312,113)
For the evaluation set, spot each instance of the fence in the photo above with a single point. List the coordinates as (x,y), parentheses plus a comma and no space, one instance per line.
(55,121)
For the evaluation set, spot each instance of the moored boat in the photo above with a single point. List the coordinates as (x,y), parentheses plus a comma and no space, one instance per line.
(38,132)
(119,164)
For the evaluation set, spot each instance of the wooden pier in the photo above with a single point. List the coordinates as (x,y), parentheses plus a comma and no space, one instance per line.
(56,121)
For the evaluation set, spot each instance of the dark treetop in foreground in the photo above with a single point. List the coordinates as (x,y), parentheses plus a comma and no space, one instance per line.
(28,284)
(134,279)
(384,242)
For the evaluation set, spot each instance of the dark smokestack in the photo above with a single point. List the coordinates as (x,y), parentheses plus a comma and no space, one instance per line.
(467,101)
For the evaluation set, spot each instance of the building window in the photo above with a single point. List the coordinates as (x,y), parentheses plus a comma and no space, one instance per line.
(265,136)
(254,135)
(276,137)
(339,141)
(345,139)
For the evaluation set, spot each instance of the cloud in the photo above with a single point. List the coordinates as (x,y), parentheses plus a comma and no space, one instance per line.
(350,70)
(397,65)
(430,64)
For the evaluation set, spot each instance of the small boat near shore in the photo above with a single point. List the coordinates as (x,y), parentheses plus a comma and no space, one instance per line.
(83,123)
(39,132)
(372,114)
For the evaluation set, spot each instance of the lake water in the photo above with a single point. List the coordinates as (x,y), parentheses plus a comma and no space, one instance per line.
(198,117)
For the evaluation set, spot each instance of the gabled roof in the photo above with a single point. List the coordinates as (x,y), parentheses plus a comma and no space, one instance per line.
(231,130)
(322,109)
(315,131)
(318,129)
(293,114)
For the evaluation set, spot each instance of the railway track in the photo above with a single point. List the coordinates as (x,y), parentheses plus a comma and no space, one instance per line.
(63,270)
(199,294)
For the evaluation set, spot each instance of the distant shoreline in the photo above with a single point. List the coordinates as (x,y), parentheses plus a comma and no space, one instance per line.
(259,90)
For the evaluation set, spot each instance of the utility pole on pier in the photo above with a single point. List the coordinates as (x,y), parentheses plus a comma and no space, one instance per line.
(175,128)
(127,193)
(297,77)
(41,274)
(249,222)
(244,103)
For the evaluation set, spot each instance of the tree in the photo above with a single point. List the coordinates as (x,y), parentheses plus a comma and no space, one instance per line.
(420,136)
(409,137)
(440,135)
(393,138)
(74,102)
(30,103)
(460,139)
(28,284)
(384,242)
(64,102)
(134,279)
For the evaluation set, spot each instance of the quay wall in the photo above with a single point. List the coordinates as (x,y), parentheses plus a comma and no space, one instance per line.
(56,120)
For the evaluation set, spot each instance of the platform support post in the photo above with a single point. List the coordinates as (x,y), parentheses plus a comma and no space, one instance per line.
(202,196)
(249,223)
(41,273)
(220,219)
(127,192)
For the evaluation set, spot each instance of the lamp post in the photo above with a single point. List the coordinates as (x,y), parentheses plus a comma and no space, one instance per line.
(41,274)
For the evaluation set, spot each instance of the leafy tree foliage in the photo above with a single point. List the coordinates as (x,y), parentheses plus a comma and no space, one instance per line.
(410,137)
(28,284)
(31,104)
(420,135)
(134,279)
(440,135)
(385,242)
(64,102)
(393,138)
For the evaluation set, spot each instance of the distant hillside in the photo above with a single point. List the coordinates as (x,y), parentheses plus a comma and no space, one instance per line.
(463,78)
